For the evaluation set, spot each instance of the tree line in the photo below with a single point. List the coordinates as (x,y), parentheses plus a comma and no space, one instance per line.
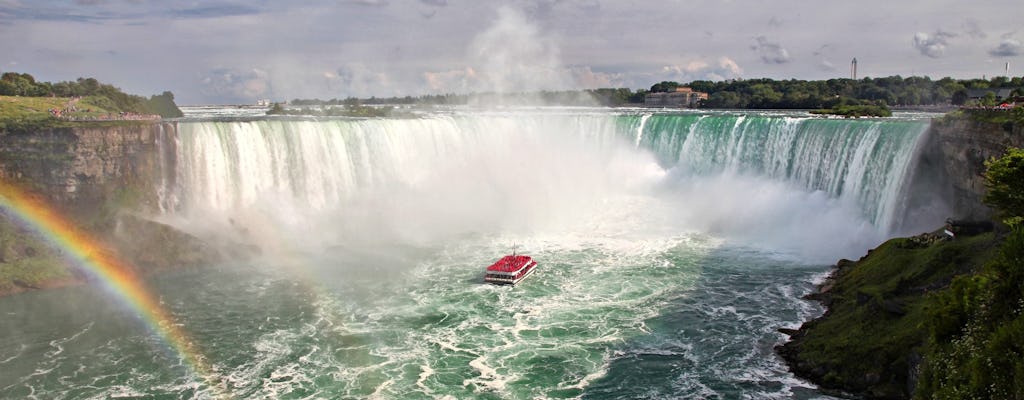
(888,91)
(740,94)
(112,98)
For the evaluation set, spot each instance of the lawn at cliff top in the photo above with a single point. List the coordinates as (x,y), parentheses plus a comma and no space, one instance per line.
(28,113)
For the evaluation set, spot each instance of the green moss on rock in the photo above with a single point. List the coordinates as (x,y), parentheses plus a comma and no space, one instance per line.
(870,340)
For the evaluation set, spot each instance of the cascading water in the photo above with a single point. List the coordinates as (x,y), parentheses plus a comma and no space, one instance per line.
(671,248)
(480,171)
(861,162)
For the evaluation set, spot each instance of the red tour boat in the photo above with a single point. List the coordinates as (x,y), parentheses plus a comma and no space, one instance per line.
(511,269)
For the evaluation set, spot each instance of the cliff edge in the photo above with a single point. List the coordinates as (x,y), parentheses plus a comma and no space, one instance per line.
(103,178)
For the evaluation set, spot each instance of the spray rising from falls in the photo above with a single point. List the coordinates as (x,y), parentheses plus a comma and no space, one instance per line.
(418,180)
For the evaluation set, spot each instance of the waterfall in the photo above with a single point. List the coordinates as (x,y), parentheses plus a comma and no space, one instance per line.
(862,162)
(448,174)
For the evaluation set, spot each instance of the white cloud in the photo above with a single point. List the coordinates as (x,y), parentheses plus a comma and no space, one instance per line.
(770,52)
(1008,48)
(826,65)
(586,78)
(701,69)
(356,79)
(451,81)
(934,45)
(245,85)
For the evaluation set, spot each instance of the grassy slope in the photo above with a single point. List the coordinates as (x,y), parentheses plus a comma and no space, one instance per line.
(26,261)
(877,315)
(27,113)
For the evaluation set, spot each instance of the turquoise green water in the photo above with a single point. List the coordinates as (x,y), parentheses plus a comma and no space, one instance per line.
(612,319)
(671,248)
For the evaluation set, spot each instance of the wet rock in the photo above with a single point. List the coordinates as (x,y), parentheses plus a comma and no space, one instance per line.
(788,331)
(22,284)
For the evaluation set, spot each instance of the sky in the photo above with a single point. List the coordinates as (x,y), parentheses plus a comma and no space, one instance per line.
(236,52)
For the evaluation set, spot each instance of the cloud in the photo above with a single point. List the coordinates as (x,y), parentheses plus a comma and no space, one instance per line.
(16,11)
(436,3)
(370,3)
(451,81)
(589,5)
(771,53)
(974,30)
(237,85)
(826,65)
(587,78)
(356,79)
(213,11)
(1008,48)
(720,69)
(933,46)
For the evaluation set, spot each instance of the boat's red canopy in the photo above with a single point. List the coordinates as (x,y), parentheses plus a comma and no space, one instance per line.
(510,263)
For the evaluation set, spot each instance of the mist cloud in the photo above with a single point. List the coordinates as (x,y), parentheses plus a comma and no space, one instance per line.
(513,55)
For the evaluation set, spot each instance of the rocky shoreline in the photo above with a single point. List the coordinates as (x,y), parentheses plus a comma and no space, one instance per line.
(867,343)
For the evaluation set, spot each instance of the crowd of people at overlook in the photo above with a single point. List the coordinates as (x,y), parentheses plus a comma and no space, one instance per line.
(67,114)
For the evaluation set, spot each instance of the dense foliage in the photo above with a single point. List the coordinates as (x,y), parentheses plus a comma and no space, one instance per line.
(877,311)
(857,110)
(893,90)
(610,97)
(109,97)
(976,343)
(350,110)
(1004,181)
(741,94)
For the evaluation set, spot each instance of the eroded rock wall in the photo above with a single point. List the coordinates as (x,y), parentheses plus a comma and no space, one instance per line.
(84,169)
(964,145)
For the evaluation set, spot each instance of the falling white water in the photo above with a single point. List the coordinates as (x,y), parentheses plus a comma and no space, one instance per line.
(774,181)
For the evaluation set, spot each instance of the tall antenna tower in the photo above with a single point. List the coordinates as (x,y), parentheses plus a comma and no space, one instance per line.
(853,69)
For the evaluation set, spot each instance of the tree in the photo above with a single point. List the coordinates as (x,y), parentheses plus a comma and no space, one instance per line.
(664,86)
(1004,180)
(959,97)
(989,99)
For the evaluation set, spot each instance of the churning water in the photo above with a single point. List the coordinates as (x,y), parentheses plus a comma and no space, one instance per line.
(670,247)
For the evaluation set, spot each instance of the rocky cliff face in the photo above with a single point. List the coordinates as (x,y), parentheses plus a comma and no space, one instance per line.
(82,169)
(104,178)
(963,145)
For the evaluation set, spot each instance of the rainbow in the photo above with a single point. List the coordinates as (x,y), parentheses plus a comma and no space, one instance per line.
(119,277)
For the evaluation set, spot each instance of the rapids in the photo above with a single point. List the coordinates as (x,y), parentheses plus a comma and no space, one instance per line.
(671,248)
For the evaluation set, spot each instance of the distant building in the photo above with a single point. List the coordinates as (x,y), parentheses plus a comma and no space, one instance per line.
(978,94)
(682,97)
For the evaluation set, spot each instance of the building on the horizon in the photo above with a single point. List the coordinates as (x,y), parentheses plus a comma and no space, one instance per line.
(1000,93)
(682,97)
